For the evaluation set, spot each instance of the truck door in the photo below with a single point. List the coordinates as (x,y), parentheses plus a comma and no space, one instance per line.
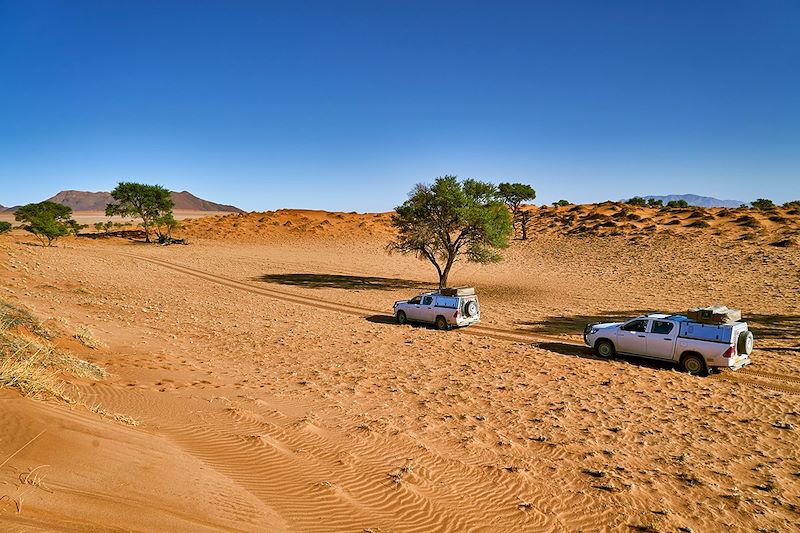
(412,309)
(426,310)
(661,339)
(632,338)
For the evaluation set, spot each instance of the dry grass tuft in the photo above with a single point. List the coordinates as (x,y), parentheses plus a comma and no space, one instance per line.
(87,338)
(32,364)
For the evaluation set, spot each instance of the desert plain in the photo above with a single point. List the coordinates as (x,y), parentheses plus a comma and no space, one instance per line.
(254,380)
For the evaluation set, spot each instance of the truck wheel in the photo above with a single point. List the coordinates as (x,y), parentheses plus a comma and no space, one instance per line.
(605,348)
(470,308)
(694,364)
(401,317)
(441,323)
(745,342)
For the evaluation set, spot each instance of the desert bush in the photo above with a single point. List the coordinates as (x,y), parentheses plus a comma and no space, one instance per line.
(794,204)
(677,204)
(778,218)
(561,203)
(637,201)
(763,204)
(99,226)
(673,222)
(5,227)
(652,202)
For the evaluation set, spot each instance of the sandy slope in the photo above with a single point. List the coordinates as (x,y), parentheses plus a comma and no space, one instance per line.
(275,394)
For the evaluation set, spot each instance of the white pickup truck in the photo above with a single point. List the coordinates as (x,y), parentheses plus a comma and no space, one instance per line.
(697,347)
(456,307)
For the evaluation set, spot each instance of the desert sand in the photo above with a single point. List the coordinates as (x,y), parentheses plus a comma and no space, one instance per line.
(273,392)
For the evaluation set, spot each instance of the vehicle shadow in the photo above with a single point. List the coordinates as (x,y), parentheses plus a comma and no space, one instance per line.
(337,281)
(390,319)
(584,352)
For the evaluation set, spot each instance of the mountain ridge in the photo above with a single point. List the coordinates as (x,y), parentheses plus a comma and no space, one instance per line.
(97,201)
(697,200)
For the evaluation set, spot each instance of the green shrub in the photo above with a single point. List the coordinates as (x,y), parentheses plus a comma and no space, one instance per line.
(5,227)
(638,201)
(678,204)
(763,204)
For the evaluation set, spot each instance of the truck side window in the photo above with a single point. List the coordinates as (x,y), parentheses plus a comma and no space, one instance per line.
(415,300)
(636,325)
(662,328)
(427,300)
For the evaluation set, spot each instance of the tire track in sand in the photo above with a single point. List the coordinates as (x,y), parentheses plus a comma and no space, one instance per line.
(509,335)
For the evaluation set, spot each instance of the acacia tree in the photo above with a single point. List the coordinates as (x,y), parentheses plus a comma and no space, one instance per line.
(148,202)
(448,219)
(5,227)
(514,195)
(47,220)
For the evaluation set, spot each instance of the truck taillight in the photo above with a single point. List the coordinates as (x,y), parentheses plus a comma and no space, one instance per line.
(730,352)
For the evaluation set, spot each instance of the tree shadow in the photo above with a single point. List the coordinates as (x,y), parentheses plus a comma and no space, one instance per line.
(554,325)
(336,281)
(774,326)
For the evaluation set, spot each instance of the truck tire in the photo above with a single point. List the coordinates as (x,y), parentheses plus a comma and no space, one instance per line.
(401,317)
(745,342)
(441,323)
(470,308)
(605,348)
(694,364)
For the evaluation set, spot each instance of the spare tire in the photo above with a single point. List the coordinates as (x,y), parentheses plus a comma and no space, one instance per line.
(470,308)
(745,342)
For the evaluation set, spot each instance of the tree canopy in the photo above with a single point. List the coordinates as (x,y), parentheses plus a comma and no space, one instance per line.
(448,219)
(5,227)
(514,195)
(47,220)
(151,203)
(677,204)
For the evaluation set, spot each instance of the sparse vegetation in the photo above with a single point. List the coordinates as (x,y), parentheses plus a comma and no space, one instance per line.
(47,220)
(5,227)
(652,202)
(32,364)
(677,204)
(763,204)
(151,203)
(448,219)
(561,203)
(637,201)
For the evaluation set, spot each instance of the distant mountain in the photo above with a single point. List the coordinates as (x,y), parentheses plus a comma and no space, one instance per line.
(97,201)
(700,201)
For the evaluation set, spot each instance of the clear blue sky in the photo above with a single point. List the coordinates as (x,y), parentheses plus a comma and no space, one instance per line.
(346,105)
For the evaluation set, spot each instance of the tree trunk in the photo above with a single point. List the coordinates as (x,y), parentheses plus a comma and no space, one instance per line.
(146,231)
(445,273)
(524,230)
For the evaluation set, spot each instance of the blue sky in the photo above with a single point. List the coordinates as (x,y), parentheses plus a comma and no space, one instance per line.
(346,105)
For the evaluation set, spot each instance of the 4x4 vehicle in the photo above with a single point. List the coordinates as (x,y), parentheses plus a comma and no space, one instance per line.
(696,346)
(446,308)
